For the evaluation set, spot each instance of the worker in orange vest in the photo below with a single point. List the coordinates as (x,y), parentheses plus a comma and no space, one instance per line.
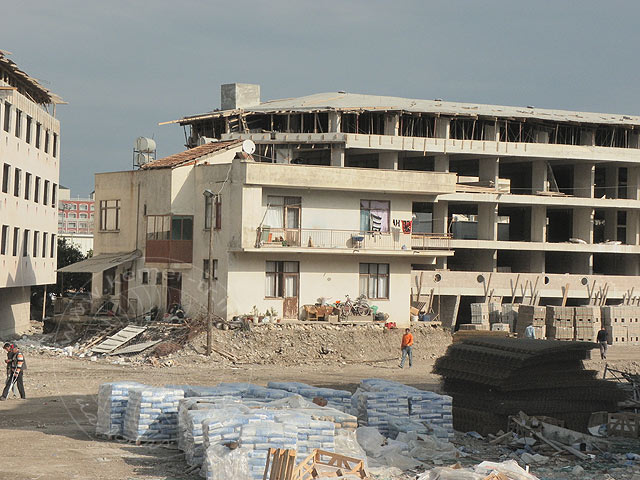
(406,346)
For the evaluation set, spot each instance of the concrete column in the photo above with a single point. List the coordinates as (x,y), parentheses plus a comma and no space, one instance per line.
(335,121)
(633,183)
(633,228)
(583,180)
(587,137)
(539,172)
(337,155)
(441,216)
(443,127)
(536,261)
(488,171)
(611,181)
(492,132)
(488,221)
(392,124)
(388,160)
(441,163)
(611,224)
(539,223)
(632,265)
(581,263)
(583,223)
(486,260)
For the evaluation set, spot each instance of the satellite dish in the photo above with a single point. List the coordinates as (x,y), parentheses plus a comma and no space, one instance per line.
(248,147)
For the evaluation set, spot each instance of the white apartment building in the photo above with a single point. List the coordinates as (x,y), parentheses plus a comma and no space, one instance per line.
(75,219)
(30,161)
(469,201)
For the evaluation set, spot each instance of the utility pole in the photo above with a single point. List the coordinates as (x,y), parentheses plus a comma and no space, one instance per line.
(210,196)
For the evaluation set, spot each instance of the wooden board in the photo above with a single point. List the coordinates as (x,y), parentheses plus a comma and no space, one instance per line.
(140,347)
(118,339)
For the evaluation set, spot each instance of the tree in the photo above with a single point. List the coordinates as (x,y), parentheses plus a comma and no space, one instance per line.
(68,253)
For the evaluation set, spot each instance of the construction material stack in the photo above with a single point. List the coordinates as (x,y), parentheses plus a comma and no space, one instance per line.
(152,414)
(560,322)
(479,317)
(531,314)
(510,315)
(112,405)
(616,321)
(491,378)
(339,399)
(587,323)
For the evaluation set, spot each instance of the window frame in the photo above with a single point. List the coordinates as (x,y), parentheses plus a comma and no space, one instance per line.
(54,246)
(7,116)
(105,208)
(36,243)
(17,181)
(36,190)
(16,241)
(25,243)
(205,269)
(385,228)
(279,273)
(4,241)
(18,130)
(6,178)
(375,277)
(45,237)
(27,185)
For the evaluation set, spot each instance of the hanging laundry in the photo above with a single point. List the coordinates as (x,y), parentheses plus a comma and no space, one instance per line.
(376,223)
(406,226)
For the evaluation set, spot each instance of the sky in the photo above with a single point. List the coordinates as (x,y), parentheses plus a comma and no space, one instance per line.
(125,66)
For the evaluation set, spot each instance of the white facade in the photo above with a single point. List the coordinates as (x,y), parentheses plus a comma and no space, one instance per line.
(29,163)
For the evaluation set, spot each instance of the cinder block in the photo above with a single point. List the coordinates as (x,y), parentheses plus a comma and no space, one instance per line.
(475,326)
(618,335)
(500,327)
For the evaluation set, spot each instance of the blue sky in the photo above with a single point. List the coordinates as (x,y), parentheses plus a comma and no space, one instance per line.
(124,66)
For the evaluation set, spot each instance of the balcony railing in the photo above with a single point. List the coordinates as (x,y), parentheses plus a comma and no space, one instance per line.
(350,239)
(169,251)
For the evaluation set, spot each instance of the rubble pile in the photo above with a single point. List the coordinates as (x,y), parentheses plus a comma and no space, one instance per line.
(491,378)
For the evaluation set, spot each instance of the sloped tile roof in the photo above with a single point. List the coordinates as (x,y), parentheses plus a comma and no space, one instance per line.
(190,155)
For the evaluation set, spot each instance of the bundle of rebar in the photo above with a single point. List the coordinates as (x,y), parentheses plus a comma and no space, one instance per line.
(491,378)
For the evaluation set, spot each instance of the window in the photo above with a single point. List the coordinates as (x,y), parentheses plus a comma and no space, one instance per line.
(4,240)
(72,215)
(44,244)
(17,176)
(92,208)
(205,269)
(159,278)
(109,281)
(16,239)
(36,240)
(53,246)
(54,195)
(109,215)
(158,227)
(6,171)
(25,244)
(46,141)
(45,193)
(7,116)
(84,206)
(82,225)
(281,279)
(36,190)
(28,132)
(181,227)
(54,149)
(145,277)
(18,122)
(71,225)
(217,212)
(374,216)
(27,185)
(283,212)
(374,280)
(38,134)
(83,215)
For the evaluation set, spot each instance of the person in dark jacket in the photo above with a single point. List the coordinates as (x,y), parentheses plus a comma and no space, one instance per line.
(602,339)
(16,364)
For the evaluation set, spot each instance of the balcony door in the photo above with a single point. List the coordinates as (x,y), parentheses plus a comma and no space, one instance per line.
(284,218)
(174,288)
(283,281)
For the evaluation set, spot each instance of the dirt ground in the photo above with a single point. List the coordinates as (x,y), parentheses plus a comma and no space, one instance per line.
(50,435)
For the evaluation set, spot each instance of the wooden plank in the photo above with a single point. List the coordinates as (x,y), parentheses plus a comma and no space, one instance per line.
(565,294)
(140,347)
(120,338)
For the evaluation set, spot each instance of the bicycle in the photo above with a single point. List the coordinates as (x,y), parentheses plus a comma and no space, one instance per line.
(358,308)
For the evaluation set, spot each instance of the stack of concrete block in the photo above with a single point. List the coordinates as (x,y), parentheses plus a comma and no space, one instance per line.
(560,322)
(152,414)
(587,323)
(531,314)
(500,327)
(480,315)
(339,399)
(495,312)
(616,321)
(510,314)
(112,405)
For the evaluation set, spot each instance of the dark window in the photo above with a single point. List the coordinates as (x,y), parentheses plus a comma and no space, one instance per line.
(374,216)
(374,280)
(53,246)
(28,132)
(181,228)
(159,278)
(46,141)
(7,116)
(109,281)
(27,185)
(205,269)
(281,279)
(109,215)
(5,240)
(36,190)
(38,134)
(217,212)
(145,277)
(6,171)
(45,235)
(17,176)
(36,239)
(54,149)
(54,195)
(45,193)
(16,239)
(18,122)
(25,244)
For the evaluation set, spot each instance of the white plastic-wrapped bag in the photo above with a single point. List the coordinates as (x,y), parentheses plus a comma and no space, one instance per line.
(347,444)
(510,468)
(370,439)
(222,463)
(448,473)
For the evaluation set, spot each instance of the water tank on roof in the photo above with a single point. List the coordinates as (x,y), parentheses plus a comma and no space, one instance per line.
(205,140)
(145,145)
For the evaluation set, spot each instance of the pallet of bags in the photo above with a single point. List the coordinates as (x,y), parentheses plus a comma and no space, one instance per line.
(113,398)
(259,436)
(374,408)
(152,414)
(340,399)
(312,433)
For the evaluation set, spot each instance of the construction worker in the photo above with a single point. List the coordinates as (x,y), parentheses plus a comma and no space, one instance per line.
(15,362)
(530,332)
(406,346)
(603,339)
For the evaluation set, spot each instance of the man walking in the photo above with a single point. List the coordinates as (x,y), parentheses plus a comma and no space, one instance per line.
(406,346)
(602,340)
(15,362)
(530,332)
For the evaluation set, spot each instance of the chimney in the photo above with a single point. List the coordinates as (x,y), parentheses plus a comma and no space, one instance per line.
(239,95)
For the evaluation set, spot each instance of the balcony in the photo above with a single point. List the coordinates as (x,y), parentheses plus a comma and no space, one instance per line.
(323,239)
(169,251)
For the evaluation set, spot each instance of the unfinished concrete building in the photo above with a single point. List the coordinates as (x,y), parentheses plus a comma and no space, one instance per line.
(546,204)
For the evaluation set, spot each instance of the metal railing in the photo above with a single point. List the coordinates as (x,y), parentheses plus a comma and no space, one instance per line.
(350,239)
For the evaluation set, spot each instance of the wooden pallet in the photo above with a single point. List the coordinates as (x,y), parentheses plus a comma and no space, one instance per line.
(118,339)
(623,425)
(281,465)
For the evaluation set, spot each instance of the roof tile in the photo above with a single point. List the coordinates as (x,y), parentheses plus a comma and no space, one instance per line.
(190,155)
